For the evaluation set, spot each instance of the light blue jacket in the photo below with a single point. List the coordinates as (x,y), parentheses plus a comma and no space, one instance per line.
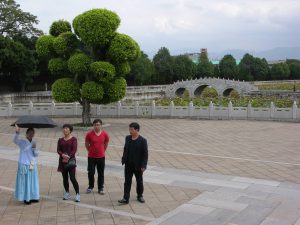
(27,152)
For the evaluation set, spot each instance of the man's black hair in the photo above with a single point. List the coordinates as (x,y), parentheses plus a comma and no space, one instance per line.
(97,121)
(135,126)
(68,126)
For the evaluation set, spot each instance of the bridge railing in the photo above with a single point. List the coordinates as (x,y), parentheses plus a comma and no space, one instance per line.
(152,111)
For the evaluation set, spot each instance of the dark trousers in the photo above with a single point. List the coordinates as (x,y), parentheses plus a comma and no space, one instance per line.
(65,174)
(129,171)
(92,164)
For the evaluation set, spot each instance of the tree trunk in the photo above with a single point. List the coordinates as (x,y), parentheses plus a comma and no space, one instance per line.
(86,112)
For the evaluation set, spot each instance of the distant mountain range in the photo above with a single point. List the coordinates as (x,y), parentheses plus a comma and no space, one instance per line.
(272,54)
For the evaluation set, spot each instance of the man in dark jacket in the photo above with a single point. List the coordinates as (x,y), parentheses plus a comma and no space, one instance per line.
(135,158)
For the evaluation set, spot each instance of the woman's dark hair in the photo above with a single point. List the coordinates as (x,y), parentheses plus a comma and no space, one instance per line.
(97,121)
(135,126)
(29,129)
(68,126)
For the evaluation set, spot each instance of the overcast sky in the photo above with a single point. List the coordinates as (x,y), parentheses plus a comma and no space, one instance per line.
(188,25)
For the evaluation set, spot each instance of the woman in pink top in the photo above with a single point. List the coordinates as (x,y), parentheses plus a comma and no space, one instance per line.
(66,148)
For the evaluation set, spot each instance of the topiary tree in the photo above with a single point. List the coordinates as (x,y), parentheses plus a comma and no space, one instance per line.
(91,62)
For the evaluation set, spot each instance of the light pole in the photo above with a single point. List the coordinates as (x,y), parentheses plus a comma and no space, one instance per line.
(294,85)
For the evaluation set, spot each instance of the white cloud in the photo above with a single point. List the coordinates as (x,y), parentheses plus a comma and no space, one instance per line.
(189,24)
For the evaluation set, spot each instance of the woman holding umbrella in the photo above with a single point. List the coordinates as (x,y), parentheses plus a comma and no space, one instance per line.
(27,181)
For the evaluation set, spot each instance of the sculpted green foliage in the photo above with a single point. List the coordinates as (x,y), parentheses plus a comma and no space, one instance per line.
(92,92)
(79,63)
(103,71)
(60,26)
(116,90)
(44,46)
(97,59)
(60,45)
(123,48)
(66,90)
(65,43)
(96,27)
(58,66)
(123,69)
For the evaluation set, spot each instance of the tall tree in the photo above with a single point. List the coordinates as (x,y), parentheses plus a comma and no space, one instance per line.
(142,71)
(163,64)
(204,68)
(13,21)
(228,67)
(280,71)
(246,67)
(260,69)
(183,68)
(91,63)
(18,63)
(294,66)
(216,71)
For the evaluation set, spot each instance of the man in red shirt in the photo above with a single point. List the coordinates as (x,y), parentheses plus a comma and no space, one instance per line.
(96,142)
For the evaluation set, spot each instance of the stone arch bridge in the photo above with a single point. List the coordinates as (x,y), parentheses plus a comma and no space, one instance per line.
(195,87)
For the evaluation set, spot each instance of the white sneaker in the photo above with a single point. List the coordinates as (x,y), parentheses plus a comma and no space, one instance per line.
(77,198)
(66,195)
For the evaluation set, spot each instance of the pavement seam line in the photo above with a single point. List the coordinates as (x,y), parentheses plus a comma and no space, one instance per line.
(145,218)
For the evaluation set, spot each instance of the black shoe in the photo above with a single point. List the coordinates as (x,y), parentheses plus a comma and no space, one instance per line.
(27,202)
(141,199)
(34,200)
(123,201)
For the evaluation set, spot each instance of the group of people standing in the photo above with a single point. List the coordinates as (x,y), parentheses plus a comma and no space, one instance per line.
(135,158)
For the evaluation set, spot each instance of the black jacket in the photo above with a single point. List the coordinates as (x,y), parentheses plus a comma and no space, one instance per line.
(140,159)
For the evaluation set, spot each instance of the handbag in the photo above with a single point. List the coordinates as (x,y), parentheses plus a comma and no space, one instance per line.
(70,164)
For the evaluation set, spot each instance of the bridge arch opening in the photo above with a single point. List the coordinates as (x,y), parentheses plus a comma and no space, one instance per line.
(180,91)
(198,91)
(205,91)
(231,92)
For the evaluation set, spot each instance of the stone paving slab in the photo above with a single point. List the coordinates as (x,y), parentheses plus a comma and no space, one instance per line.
(255,149)
(200,172)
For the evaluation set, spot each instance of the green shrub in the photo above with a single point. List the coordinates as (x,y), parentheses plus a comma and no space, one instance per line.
(123,48)
(65,43)
(92,92)
(59,27)
(79,63)
(58,66)
(96,27)
(209,93)
(44,46)
(122,69)
(116,90)
(103,71)
(65,90)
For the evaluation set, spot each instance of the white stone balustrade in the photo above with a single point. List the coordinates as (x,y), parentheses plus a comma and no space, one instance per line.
(153,111)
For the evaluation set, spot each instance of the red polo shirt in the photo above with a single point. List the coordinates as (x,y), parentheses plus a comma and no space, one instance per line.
(97,143)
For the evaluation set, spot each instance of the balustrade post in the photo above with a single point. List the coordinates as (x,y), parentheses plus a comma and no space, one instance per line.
(153,109)
(171,107)
(211,109)
(294,110)
(191,109)
(230,109)
(119,105)
(10,109)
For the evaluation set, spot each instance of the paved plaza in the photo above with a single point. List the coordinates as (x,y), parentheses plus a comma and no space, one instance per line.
(200,173)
